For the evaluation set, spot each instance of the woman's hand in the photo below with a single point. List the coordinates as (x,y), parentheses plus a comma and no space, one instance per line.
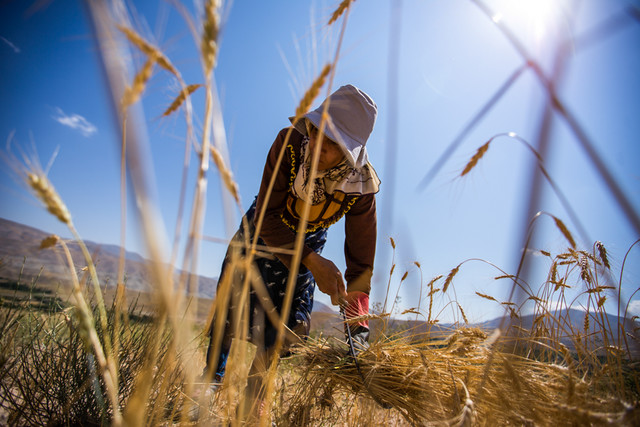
(327,276)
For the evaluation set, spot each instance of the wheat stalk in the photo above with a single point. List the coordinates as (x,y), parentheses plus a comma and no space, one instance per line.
(431,293)
(404,276)
(513,373)
(87,332)
(154,53)
(417,264)
(47,194)
(393,267)
(536,299)
(599,289)
(182,96)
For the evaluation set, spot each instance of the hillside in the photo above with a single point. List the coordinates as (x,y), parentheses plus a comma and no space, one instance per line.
(21,257)
(20,254)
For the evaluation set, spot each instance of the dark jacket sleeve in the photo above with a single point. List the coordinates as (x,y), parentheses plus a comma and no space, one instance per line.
(274,232)
(360,243)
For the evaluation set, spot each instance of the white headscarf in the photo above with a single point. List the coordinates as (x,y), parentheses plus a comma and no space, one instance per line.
(348,116)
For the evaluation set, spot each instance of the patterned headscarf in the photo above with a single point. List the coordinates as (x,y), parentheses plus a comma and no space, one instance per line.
(342,177)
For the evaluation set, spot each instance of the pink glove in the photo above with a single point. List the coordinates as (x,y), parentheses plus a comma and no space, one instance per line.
(357,304)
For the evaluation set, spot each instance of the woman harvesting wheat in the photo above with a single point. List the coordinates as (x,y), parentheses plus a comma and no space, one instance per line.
(344,184)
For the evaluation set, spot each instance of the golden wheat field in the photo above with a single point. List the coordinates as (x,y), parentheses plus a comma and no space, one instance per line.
(76,349)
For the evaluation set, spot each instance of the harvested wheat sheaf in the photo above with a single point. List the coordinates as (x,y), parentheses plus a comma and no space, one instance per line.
(450,379)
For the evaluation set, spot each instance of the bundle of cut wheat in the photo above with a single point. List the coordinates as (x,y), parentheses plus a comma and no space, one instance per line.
(462,379)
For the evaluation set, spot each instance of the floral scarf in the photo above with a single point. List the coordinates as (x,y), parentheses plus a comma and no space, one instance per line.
(342,177)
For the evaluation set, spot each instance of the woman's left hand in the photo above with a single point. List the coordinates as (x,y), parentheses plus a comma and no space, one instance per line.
(327,276)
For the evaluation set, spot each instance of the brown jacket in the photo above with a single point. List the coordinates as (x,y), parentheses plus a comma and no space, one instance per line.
(281,219)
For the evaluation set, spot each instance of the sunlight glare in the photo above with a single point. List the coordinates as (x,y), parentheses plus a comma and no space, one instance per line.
(534,14)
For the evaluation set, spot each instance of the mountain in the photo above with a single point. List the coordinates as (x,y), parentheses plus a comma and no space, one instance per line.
(21,257)
(564,326)
(571,322)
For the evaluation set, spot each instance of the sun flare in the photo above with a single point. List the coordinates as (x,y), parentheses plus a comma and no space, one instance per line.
(533,14)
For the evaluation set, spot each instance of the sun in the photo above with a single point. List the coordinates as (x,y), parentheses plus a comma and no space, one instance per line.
(536,16)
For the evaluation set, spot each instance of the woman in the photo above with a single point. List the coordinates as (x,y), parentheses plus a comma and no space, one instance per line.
(345,185)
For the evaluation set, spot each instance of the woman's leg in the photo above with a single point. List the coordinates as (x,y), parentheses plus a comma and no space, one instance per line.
(274,275)
(227,297)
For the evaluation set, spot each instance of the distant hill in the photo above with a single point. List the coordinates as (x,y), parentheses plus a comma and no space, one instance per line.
(21,256)
(573,321)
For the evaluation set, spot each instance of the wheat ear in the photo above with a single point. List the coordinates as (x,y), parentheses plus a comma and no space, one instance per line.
(489,297)
(49,197)
(449,278)
(227,177)
(344,4)
(464,317)
(312,93)
(565,231)
(132,93)
(184,93)
(210,31)
(585,274)
(602,251)
(476,157)
(148,49)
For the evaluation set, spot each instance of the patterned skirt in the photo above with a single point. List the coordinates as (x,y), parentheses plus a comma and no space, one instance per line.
(261,331)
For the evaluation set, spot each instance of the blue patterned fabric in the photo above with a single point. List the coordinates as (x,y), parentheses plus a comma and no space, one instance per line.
(274,275)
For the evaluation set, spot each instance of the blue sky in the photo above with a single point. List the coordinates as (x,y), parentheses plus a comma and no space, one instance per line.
(451,60)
